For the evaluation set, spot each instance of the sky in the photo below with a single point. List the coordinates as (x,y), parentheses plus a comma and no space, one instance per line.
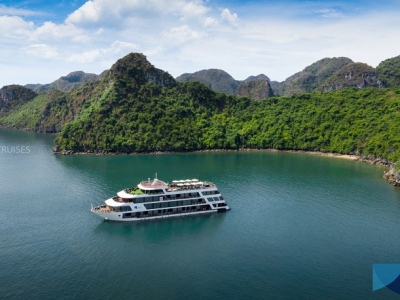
(42,40)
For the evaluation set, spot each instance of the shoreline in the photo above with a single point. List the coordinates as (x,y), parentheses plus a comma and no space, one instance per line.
(391,175)
(354,157)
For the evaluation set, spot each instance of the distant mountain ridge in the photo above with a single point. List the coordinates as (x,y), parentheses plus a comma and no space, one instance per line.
(66,83)
(221,81)
(218,80)
(327,74)
(311,77)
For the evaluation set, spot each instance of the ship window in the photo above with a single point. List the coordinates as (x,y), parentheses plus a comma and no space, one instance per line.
(221,198)
(216,199)
(156,205)
(210,199)
(122,208)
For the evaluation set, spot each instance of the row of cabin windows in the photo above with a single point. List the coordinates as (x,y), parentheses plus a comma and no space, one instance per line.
(174,203)
(219,205)
(211,199)
(164,198)
(210,193)
(167,211)
(120,208)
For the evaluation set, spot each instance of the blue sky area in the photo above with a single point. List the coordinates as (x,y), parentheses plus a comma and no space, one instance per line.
(43,40)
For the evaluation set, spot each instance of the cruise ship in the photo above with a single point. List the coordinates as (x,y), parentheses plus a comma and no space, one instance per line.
(155,199)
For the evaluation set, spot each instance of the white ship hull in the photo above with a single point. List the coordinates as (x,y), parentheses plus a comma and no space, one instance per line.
(116,217)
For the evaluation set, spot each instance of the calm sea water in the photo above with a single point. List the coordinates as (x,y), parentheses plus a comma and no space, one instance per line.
(301,227)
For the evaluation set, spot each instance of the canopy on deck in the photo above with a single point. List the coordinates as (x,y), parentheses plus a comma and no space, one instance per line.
(125,195)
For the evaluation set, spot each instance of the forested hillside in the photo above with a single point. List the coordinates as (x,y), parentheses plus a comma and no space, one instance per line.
(191,117)
(138,108)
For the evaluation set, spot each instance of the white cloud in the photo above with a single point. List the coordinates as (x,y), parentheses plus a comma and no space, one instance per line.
(210,22)
(13,11)
(52,31)
(89,12)
(229,18)
(192,9)
(14,27)
(116,14)
(182,34)
(116,49)
(42,51)
(330,13)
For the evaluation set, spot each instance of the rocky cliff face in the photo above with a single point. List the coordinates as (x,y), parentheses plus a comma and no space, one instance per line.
(14,95)
(255,89)
(134,70)
(311,77)
(356,75)
(260,76)
(393,176)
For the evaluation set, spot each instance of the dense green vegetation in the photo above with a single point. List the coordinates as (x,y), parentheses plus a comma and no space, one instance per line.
(190,117)
(25,116)
(389,72)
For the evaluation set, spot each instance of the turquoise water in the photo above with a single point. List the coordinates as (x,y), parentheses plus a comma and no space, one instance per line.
(301,227)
